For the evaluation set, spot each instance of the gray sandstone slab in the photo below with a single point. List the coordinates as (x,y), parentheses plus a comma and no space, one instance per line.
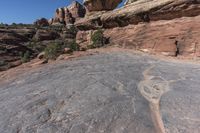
(104,93)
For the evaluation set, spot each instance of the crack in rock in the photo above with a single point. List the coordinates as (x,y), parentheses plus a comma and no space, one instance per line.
(152,88)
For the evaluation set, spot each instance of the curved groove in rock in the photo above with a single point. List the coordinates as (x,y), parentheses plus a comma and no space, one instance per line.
(152,89)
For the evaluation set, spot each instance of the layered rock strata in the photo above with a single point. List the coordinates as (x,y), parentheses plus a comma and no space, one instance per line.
(168,27)
(141,12)
(68,15)
(99,5)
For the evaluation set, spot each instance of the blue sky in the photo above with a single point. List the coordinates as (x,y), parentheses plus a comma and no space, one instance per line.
(27,11)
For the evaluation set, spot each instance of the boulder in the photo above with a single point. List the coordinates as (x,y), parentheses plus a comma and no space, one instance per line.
(100,5)
(67,50)
(83,38)
(41,55)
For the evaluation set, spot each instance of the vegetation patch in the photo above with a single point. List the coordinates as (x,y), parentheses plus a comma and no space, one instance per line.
(74,46)
(25,57)
(52,51)
(98,39)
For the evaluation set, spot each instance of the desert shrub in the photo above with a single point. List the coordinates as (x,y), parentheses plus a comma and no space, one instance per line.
(25,57)
(97,39)
(73,29)
(52,51)
(37,47)
(74,46)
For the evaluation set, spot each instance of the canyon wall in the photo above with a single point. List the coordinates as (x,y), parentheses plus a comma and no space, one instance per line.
(168,27)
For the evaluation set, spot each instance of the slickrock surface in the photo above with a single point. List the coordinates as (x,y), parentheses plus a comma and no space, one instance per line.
(115,92)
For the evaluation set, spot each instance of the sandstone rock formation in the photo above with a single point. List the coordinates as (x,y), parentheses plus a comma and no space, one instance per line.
(143,12)
(99,5)
(68,15)
(136,1)
(145,25)
(11,45)
(77,10)
(178,37)
(14,42)
(115,92)
(42,35)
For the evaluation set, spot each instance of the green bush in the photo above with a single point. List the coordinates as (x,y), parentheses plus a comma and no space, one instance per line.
(97,39)
(52,51)
(36,46)
(74,46)
(25,57)
(73,29)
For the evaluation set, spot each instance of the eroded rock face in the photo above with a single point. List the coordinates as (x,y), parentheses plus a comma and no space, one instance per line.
(11,46)
(142,12)
(99,5)
(68,15)
(152,26)
(136,1)
(178,37)
(172,37)
(77,10)
(83,38)
(15,41)
(42,35)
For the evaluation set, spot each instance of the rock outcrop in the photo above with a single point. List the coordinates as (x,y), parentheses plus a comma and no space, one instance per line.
(41,22)
(15,42)
(68,15)
(178,37)
(109,92)
(99,5)
(136,1)
(42,35)
(168,27)
(11,46)
(141,12)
